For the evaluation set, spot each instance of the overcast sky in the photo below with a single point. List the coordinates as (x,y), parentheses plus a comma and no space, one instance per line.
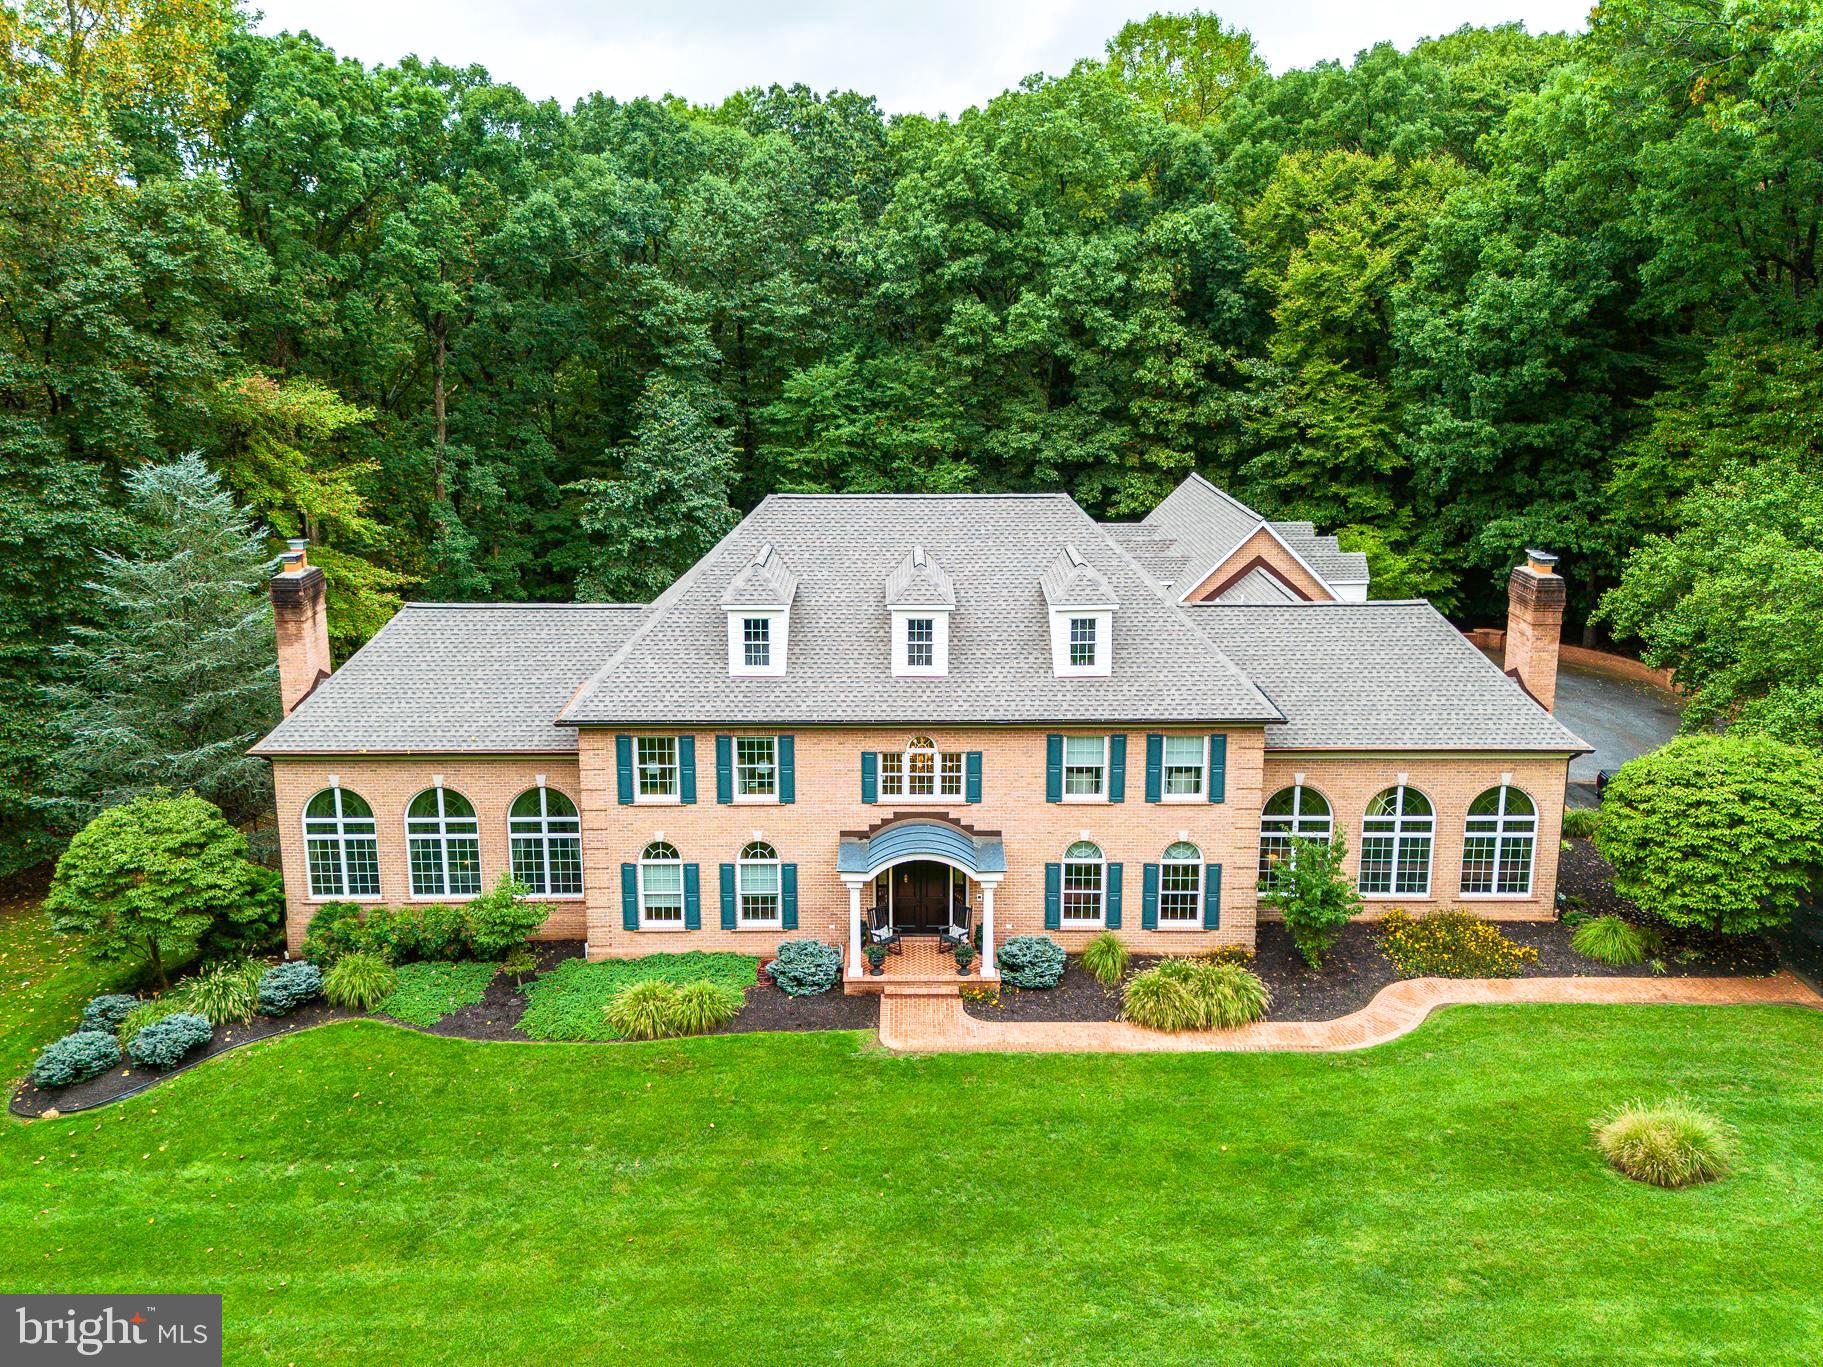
(924,56)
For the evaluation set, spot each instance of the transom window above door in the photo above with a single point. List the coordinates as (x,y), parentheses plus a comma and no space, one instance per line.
(656,766)
(921,770)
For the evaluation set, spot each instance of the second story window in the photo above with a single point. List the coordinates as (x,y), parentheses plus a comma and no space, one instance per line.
(921,770)
(657,756)
(756,642)
(1083,637)
(756,766)
(1186,759)
(1085,767)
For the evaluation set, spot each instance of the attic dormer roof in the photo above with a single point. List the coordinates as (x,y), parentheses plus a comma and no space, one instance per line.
(765,581)
(1072,582)
(919,581)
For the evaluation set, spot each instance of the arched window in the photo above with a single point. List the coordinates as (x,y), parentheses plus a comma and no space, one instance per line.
(1396,837)
(757,885)
(661,887)
(1180,885)
(547,843)
(339,846)
(1084,885)
(443,840)
(1295,813)
(1498,842)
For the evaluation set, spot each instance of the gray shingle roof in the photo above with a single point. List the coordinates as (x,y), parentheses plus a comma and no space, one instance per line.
(1205,522)
(996,548)
(1070,581)
(1157,555)
(920,582)
(1389,675)
(1323,554)
(458,677)
(764,581)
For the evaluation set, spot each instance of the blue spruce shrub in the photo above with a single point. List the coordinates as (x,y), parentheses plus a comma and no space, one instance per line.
(106,1013)
(1031,961)
(163,1043)
(287,986)
(75,1058)
(806,967)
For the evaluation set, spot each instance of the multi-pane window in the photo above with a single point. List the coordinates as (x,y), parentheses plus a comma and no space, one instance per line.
(1296,813)
(546,837)
(757,885)
(1396,839)
(1498,843)
(1084,885)
(339,845)
(1186,765)
(756,766)
(921,770)
(1082,642)
(1180,885)
(920,642)
(756,642)
(443,843)
(661,887)
(657,766)
(1085,766)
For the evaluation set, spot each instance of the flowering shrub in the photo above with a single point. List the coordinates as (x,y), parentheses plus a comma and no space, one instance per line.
(1447,943)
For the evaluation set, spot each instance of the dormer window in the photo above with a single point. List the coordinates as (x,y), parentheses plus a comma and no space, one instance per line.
(920,598)
(758,603)
(1082,610)
(1085,638)
(756,642)
(920,642)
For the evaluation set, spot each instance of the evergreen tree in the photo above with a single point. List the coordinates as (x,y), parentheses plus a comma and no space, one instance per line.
(180,675)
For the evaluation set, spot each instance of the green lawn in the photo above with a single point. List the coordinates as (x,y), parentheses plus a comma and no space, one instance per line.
(45,980)
(362,1193)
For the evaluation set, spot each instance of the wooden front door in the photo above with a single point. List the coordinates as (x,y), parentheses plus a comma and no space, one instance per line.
(920,897)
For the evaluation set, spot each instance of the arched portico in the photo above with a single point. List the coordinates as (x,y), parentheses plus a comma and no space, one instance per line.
(979,856)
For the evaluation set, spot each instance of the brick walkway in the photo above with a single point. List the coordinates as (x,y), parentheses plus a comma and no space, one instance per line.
(926,1024)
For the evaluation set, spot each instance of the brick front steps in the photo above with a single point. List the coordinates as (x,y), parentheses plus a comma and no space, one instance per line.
(926,1023)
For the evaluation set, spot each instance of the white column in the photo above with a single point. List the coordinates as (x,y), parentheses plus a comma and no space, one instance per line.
(854,929)
(989,969)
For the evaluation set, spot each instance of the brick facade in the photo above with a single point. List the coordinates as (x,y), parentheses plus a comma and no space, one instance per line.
(1262,548)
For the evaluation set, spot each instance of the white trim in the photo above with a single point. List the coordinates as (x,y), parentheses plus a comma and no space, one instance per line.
(737,797)
(778,636)
(639,888)
(676,796)
(340,838)
(1201,794)
(1064,921)
(902,617)
(1398,836)
(442,836)
(1195,920)
(1500,836)
(1061,618)
(1267,527)
(1107,774)
(741,864)
(543,837)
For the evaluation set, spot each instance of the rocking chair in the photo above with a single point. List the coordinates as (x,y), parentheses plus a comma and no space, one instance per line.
(961,928)
(877,932)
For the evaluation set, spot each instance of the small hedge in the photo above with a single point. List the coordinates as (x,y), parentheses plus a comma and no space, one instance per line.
(1610,940)
(426,993)
(227,994)
(359,981)
(569,1002)
(1448,943)
(806,967)
(1031,961)
(105,1013)
(75,1058)
(1673,1144)
(163,1043)
(1105,957)
(287,986)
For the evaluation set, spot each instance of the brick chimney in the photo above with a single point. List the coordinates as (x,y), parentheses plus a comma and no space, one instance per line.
(300,618)
(1535,599)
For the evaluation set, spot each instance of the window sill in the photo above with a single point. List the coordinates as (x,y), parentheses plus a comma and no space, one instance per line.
(1497,897)
(1084,799)
(1183,799)
(377,900)
(756,800)
(1178,927)
(660,801)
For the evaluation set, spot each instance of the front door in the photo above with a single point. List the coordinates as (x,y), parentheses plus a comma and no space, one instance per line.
(920,897)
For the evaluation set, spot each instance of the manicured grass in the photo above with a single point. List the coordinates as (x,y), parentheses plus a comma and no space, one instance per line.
(45,980)
(363,1193)
(428,992)
(569,1002)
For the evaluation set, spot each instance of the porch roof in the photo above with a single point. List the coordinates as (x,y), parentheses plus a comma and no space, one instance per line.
(920,840)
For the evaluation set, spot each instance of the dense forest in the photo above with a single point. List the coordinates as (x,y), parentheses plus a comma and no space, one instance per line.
(1500,289)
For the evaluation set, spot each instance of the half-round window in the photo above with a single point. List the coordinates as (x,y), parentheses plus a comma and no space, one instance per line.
(661,887)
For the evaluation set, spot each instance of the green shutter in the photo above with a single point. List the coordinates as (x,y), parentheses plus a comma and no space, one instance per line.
(1218,768)
(623,766)
(1117,768)
(686,768)
(971,769)
(1155,768)
(1113,900)
(870,776)
(1212,897)
(629,896)
(788,769)
(1053,768)
(724,769)
(788,896)
(1053,896)
(693,897)
(1148,898)
(727,897)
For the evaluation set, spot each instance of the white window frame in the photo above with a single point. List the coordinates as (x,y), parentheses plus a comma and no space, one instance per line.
(747,861)
(338,838)
(1194,921)
(1065,921)
(648,860)
(537,833)
(1063,665)
(442,835)
(1299,825)
(676,766)
(1165,766)
(1507,827)
(1405,829)
(778,631)
(948,768)
(756,799)
(1101,793)
(902,618)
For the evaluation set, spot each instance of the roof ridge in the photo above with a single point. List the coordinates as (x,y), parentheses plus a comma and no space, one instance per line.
(509,603)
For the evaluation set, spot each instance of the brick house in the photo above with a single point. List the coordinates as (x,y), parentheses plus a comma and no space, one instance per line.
(909,709)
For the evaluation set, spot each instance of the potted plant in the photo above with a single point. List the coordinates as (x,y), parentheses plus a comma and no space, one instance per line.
(876,959)
(965,955)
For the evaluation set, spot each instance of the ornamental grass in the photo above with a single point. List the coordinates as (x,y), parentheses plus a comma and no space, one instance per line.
(1673,1144)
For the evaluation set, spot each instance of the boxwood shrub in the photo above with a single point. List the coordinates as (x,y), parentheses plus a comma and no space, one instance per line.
(75,1058)
(1031,961)
(163,1043)
(285,987)
(107,1012)
(806,967)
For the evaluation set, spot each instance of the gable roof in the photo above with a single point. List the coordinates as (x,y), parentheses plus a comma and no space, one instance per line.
(1382,675)
(765,581)
(1209,525)
(920,582)
(1322,553)
(1070,581)
(451,677)
(996,549)
(1258,585)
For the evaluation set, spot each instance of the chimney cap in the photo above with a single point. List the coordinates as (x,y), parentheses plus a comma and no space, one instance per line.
(1541,561)
(297,543)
